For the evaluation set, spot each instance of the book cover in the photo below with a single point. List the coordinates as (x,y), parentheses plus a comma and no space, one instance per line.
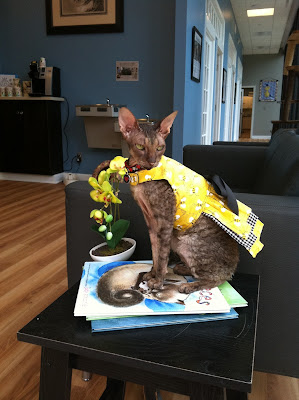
(230,294)
(112,324)
(117,289)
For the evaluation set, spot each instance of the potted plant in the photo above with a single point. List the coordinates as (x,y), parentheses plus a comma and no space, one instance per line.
(108,222)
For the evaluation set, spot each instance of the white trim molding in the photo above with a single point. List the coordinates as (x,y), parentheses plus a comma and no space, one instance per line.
(66,177)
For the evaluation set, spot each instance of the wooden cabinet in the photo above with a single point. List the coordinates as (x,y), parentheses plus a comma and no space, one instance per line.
(30,136)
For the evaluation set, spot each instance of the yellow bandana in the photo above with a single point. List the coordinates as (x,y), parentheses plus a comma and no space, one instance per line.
(195,195)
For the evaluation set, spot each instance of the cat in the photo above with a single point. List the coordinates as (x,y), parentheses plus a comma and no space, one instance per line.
(206,251)
(123,287)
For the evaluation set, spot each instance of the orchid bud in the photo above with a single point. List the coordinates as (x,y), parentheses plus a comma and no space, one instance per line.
(109,218)
(109,235)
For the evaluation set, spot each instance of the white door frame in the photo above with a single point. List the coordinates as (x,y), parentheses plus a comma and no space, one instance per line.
(208,88)
(253,107)
(218,90)
(229,100)
(238,102)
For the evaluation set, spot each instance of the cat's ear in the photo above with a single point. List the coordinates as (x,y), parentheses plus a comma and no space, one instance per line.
(127,121)
(166,124)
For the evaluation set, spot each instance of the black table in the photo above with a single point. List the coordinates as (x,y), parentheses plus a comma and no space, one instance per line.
(197,359)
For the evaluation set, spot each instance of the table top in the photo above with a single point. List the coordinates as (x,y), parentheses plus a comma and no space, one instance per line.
(220,353)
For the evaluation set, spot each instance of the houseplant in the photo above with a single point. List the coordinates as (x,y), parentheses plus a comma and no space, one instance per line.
(108,222)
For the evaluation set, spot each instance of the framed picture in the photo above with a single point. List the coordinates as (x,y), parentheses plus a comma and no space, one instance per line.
(196,54)
(224,83)
(268,89)
(127,71)
(84,16)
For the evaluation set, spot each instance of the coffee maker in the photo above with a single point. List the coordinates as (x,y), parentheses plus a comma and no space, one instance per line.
(45,81)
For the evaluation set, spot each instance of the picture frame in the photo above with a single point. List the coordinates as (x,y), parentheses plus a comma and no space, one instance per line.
(224,83)
(127,71)
(85,16)
(196,54)
(268,90)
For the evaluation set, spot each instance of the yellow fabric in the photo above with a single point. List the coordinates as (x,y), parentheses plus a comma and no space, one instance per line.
(194,195)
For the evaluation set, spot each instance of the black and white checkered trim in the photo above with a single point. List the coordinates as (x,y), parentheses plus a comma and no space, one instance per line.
(249,241)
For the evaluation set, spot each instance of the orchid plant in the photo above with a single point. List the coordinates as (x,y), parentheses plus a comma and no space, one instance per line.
(106,190)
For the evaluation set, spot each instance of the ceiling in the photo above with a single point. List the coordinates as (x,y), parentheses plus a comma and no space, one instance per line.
(264,35)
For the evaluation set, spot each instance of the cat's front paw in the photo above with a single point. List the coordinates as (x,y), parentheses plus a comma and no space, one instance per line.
(188,288)
(155,283)
(148,276)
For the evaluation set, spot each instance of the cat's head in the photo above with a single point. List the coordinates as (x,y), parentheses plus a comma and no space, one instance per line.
(146,142)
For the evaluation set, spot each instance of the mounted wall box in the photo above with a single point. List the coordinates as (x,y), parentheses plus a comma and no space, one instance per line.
(99,121)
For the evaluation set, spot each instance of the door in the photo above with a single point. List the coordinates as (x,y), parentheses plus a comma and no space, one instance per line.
(247,112)
(12,154)
(218,89)
(230,92)
(238,102)
(208,86)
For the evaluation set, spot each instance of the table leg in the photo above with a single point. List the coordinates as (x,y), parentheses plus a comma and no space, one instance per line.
(150,393)
(235,395)
(206,392)
(115,390)
(55,375)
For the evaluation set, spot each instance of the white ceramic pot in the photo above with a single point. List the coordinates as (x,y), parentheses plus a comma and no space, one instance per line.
(125,255)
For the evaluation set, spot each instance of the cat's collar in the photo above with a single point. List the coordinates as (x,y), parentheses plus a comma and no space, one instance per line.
(131,176)
(132,168)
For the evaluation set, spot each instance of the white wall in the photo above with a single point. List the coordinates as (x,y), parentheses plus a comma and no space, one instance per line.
(257,67)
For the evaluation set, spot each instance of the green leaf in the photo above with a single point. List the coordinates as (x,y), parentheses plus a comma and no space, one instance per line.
(95,228)
(119,228)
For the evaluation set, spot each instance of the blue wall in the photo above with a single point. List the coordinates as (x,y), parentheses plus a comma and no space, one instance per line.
(187,93)
(87,63)
(160,38)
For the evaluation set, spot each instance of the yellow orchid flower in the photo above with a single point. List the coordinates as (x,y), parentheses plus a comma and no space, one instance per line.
(104,194)
(117,165)
(94,183)
(103,176)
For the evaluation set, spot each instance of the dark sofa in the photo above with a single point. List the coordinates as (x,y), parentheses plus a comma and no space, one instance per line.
(265,178)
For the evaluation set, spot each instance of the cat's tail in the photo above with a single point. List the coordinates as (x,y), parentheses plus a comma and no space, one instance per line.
(101,167)
(117,297)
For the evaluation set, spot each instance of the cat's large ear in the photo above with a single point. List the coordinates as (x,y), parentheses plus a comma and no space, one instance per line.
(166,124)
(127,121)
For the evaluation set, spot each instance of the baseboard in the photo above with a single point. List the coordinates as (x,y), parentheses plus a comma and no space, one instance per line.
(70,177)
(65,177)
(260,137)
(11,176)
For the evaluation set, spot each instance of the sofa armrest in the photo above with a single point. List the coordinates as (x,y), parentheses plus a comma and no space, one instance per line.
(277,348)
(237,165)
(224,143)
(81,238)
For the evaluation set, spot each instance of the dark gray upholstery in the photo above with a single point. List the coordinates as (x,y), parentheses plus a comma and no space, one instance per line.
(81,238)
(266,178)
(277,348)
(280,173)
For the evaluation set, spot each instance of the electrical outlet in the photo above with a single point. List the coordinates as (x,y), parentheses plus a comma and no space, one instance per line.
(79,158)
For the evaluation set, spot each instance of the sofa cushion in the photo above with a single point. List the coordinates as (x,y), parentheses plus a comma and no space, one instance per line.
(81,238)
(280,173)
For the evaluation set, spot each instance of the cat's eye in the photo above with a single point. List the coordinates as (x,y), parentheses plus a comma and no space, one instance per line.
(160,148)
(140,146)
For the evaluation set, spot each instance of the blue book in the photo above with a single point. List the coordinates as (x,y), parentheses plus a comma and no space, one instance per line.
(114,324)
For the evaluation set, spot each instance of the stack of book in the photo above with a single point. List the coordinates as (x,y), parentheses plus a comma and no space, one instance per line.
(114,296)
